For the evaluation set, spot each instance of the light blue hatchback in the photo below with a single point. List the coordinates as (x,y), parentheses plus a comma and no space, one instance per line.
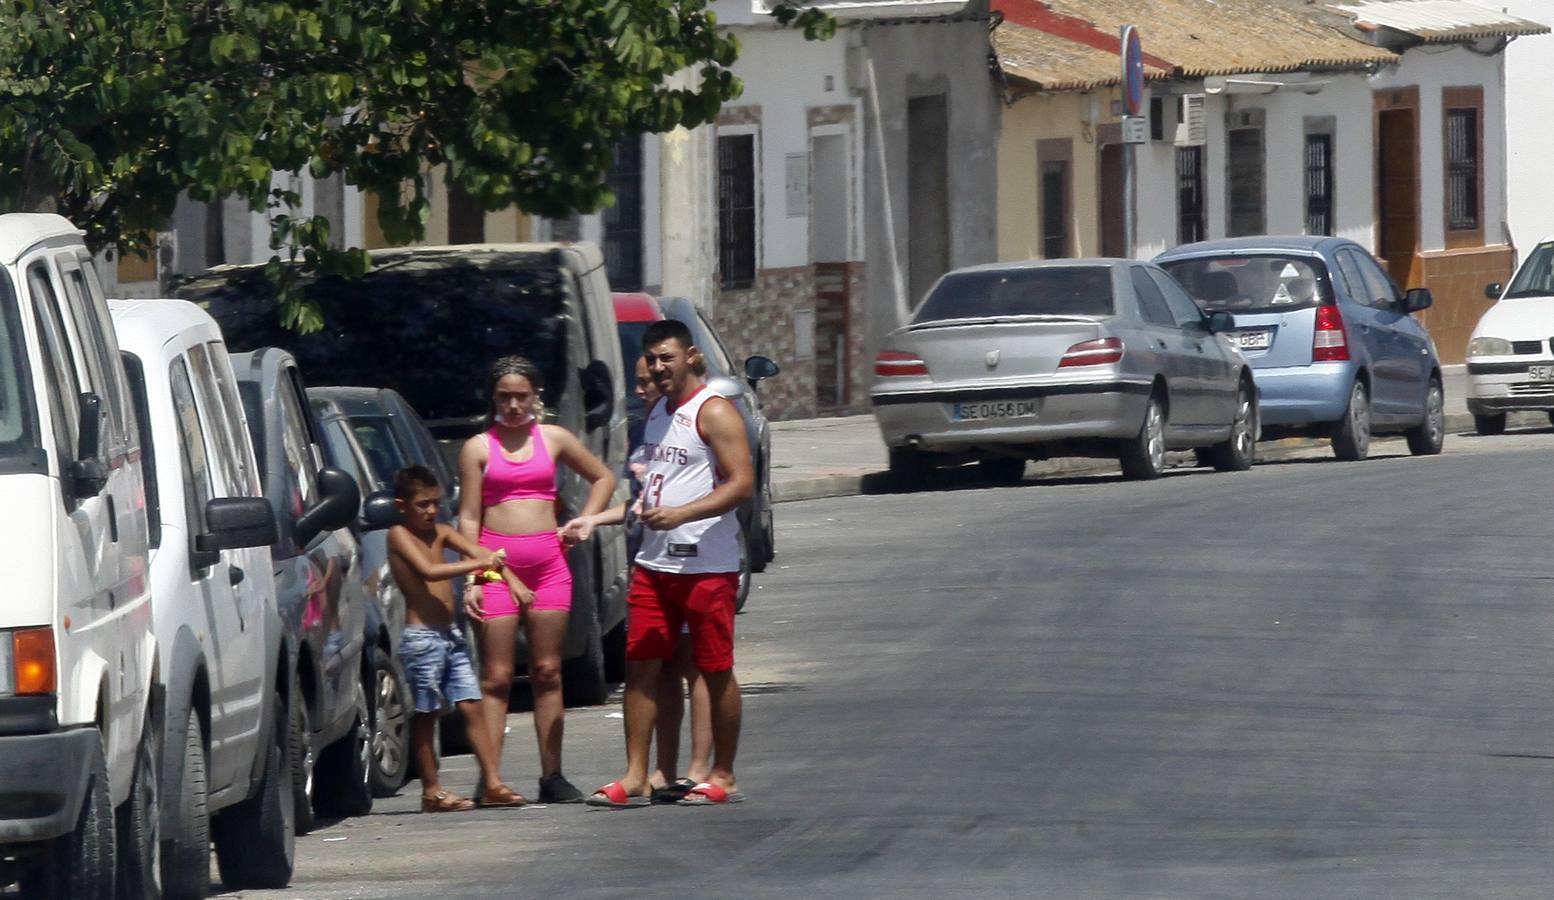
(1333,346)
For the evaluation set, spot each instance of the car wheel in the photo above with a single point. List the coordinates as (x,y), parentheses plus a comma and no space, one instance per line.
(1352,440)
(1002,469)
(256,840)
(1238,452)
(80,865)
(139,824)
(743,591)
(1429,436)
(390,726)
(186,844)
(910,469)
(344,776)
(1494,423)
(299,759)
(1143,457)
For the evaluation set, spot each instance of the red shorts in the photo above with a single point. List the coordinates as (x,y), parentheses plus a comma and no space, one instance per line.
(660,602)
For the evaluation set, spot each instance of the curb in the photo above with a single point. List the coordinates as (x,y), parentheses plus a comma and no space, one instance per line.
(852,484)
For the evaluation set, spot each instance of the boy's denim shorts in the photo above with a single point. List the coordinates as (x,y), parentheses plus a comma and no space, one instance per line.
(437,667)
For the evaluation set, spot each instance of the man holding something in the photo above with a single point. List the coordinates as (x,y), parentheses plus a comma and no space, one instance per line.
(697,471)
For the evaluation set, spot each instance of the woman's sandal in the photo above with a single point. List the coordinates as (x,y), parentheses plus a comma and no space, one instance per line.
(503,797)
(445,802)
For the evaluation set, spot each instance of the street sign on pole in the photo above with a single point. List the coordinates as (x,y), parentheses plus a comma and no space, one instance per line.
(1135,129)
(1132,71)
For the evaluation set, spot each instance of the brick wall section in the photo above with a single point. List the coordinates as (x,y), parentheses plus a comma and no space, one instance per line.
(761,320)
(862,365)
(1456,279)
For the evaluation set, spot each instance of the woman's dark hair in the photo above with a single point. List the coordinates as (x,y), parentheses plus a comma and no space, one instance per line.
(514,365)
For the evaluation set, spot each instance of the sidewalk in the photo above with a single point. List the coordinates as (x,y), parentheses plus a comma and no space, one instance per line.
(840,457)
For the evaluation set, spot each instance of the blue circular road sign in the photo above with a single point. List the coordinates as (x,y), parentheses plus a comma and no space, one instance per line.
(1132,71)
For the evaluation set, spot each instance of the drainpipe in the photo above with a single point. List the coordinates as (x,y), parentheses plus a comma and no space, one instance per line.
(865,63)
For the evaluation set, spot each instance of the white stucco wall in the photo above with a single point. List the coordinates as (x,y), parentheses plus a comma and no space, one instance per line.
(786,75)
(1529,70)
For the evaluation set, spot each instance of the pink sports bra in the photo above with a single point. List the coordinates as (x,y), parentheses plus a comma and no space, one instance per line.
(532,479)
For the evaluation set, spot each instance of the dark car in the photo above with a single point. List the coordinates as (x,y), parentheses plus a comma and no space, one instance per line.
(393,436)
(319,590)
(633,313)
(387,695)
(428,322)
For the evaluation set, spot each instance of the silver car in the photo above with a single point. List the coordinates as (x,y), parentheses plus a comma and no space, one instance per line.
(1089,357)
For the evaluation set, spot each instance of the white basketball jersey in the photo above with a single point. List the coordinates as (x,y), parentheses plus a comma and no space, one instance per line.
(679,468)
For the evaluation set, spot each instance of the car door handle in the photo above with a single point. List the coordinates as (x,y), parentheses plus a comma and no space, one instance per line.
(235,575)
(1159,344)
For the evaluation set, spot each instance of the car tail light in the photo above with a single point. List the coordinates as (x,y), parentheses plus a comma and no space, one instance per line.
(1329,343)
(33,661)
(894,363)
(1093,353)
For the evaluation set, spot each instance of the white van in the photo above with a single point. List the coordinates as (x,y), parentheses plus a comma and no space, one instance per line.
(224,746)
(79,713)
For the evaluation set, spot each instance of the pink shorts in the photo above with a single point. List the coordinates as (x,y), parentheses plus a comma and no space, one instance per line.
(538,562)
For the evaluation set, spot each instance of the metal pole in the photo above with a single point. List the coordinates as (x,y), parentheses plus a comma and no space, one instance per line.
(1128,187)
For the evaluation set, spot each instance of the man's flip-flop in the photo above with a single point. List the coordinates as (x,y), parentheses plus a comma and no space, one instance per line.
(673,792)
(614,796)
(709,794)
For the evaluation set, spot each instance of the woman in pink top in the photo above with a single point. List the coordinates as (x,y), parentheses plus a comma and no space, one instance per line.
(507,502)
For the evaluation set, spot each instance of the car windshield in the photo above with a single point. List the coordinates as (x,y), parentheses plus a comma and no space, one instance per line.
(376,436)
(18,415)
(1536,276)
(1048,291)
(427,325)
(1250,284)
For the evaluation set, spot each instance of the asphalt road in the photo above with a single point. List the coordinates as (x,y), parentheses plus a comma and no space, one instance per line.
(1313,679)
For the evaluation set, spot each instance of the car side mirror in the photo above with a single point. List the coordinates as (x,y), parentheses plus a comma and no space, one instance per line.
(598,394)
(1417,299)
(1219,322)
(339,501)
(233,523)
(379,511)
(88,472)
(759,368)
(1493,290)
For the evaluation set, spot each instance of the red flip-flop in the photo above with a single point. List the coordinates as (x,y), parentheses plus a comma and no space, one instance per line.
(709,794)
(614,796)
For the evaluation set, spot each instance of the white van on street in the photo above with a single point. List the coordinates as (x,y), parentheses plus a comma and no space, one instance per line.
(223,660)
(79,708)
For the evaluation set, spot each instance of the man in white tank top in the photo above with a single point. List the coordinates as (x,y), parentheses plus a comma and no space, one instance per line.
(696,472)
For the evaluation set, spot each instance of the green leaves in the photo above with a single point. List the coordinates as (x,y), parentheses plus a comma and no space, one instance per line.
(113,109)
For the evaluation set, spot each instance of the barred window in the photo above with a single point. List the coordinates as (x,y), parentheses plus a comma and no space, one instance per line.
(1189,195)
(736,210)
(1462,173)
(1319,184)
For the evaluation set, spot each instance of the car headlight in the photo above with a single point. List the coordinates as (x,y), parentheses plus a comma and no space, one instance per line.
(1489,346)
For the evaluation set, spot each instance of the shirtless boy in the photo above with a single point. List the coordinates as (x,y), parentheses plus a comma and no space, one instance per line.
(433,651)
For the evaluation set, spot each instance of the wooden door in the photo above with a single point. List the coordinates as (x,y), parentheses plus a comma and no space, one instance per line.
(1397,185)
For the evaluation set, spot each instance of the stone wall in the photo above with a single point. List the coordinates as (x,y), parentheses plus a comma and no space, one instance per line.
(763,320)
(1457,279)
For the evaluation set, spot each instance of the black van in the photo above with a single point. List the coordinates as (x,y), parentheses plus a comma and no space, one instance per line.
(428,322)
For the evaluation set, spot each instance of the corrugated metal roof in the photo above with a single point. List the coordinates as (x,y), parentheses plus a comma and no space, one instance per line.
(1440,21)
(1195,37)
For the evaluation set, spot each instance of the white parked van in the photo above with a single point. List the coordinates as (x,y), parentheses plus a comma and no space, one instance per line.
(223,663)
(79,713)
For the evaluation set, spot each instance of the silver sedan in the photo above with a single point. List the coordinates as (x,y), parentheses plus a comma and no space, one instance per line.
(1089,357)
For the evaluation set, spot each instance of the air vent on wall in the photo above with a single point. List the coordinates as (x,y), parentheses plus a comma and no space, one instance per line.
(1192,129)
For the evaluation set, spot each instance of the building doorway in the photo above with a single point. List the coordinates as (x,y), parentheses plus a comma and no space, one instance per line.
(1114,203)
(830,248)
(1397,192)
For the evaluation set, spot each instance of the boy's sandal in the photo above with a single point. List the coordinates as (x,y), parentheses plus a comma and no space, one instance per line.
(502,797)
(673,792)
(446,802)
